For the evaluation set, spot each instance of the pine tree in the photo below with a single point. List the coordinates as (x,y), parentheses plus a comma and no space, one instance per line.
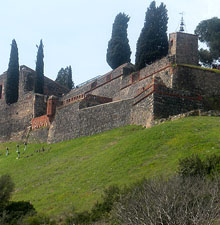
(12,80)
(119,51)
(153,42)
(64,77)
(39,81)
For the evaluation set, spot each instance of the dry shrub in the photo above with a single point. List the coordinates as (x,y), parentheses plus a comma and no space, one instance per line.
(189,201)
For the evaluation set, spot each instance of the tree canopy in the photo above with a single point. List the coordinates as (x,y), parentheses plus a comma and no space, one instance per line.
(153,41)
(12,80)
(39,81)
(64,77)
(208,32)
(119,51)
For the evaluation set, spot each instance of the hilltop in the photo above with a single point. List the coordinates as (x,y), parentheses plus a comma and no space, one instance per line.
(75,172)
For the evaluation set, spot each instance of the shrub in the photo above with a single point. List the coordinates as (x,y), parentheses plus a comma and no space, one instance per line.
(37,220)
(99,211)
(6,189)
(188,201)
(194,166)
(17,210)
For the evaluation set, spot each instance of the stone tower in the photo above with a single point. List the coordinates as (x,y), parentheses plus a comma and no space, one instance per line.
(184,48)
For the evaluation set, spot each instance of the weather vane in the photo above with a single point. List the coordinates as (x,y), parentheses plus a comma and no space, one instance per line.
(182,24)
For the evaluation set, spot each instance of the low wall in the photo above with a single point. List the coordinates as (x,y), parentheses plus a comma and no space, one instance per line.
(38,122)
(38,135)
(169,102)
(71,123)
(199,80)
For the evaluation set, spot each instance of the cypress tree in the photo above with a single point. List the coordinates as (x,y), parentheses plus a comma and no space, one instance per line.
(39,81)
(64,77)
(12,80)
(70,81)
(119,51)
(153,42)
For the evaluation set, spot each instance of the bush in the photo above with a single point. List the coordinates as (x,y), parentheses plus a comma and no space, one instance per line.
(188,201)
(6,189)
(37,220)
(99,211)
(15,211)
(194,166)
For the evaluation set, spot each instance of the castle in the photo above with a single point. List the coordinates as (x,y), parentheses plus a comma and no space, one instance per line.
(172,85)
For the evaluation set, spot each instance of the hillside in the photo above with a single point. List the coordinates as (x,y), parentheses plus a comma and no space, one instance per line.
(74,173)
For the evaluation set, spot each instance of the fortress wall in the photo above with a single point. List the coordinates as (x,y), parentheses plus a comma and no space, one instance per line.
(168,102)
(38,135)
(71,123)
(40,105)
(201,81)
(53,88)
(110,89)
(16,118)
(131,85)
(107,85)
(26,83)
(184,47)
(160,68)
(142,113)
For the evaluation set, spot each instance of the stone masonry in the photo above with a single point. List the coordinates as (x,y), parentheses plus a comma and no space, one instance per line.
(173,85)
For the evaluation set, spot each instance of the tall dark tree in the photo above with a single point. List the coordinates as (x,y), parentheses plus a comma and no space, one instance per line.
(39,81)
(12,81)
(119,51)
(153,41)
(209,33)
(64,77)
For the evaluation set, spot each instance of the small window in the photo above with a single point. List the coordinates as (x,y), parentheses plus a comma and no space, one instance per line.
(0,91)
(94,84)
(108,77)
(135,77)
(171,43)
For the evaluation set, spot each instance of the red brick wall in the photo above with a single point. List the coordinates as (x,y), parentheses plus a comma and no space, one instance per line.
(42,121)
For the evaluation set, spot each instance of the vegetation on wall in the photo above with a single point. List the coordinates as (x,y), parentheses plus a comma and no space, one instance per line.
(209,33)
(153,41)
(64,77)
(39,80)
(119,51)
(12,80)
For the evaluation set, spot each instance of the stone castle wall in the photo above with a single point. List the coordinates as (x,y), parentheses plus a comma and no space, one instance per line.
(118,98)
(198,80)
(184,47)
(71,122)
(16,118)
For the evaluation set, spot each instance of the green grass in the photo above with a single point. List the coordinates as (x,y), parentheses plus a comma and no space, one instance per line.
(198,67)
(74,173)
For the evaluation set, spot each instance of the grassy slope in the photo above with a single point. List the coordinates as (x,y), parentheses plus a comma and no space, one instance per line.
(75,172)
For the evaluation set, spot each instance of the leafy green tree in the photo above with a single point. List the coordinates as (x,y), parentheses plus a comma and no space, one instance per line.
(39,81)
(153,42)
(205,57)
(64,77)
(119,51)
(209,33)
(12,80)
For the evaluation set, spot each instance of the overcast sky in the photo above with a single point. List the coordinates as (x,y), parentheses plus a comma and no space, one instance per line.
(76,32)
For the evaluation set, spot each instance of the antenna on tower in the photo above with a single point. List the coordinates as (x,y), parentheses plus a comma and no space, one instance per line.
(182,24)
